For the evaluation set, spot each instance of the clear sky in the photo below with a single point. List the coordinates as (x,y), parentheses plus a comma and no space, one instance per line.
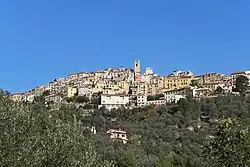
(44,39)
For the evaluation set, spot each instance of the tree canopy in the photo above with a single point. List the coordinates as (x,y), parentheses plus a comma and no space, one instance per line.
(206,133)
(242,84)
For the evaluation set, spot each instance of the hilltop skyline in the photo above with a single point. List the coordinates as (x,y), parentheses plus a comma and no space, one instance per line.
(142,71)
(43,40)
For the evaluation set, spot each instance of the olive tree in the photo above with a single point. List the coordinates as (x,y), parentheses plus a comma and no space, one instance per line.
(36,138)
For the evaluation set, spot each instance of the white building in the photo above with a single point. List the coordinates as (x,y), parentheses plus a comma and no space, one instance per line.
(146,78)
(85,91)
(141,100)
(157,102)
(180,73)
(172,98)
(202,92)
(86,84)
(28,97)
(113,101)
(118,135)
(149,71)
(111,91)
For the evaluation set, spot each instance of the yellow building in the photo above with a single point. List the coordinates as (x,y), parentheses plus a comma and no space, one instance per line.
(124,86)
(72,91)
(157,84)
(111,85)
(112,88)
(98,87)
(119,87)
(148,88)
(152,89)
(177,82)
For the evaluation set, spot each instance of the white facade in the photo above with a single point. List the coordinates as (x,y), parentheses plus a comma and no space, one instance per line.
(84,91)
(111,91)
(227,89)
(201,92)
(172,98)
(118,135)
(86,83)
(142,88)
(141,100)
(157,102)
(146,78)
(180,73)
(29,98)
(149,71)
(114,101)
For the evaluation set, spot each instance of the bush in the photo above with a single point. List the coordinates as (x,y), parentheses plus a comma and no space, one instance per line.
(82,99)
(88,106)
(36,138)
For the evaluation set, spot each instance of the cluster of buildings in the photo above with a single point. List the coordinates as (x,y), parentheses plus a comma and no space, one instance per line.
(117,87)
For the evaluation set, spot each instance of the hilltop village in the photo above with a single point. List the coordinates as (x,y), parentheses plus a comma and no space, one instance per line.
(113,88)
(125,112)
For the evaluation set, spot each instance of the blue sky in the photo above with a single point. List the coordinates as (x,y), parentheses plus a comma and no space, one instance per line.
(44,39)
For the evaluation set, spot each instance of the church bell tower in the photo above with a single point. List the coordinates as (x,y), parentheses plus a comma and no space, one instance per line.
(137,66)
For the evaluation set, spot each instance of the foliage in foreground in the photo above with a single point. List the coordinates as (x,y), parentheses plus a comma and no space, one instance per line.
(206,133)
(33,138)
(231,145)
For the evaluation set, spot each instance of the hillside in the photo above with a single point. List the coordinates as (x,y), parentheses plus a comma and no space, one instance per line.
(185,134)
